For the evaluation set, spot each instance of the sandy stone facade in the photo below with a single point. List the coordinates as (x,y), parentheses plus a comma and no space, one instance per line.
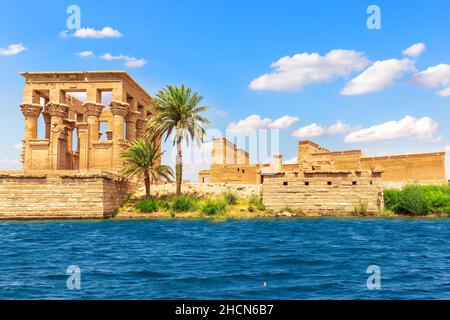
(324,192)
(64,194)
(52,95)
(231,165)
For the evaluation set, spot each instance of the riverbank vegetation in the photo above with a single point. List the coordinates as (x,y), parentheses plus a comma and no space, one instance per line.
(419,200)
(219,207)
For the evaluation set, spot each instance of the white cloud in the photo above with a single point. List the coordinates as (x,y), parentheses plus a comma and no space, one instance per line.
(310,131)
(435,77)
(415,50)
(9,164)
(106,32)
(18,146)
(12,49)
(255,122)
(130,62)
(293,73)
(85,54)
(314,130)
(422,129)
(378,76)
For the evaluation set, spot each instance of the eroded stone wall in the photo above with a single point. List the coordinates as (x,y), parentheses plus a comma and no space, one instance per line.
(60,195)
(324,193)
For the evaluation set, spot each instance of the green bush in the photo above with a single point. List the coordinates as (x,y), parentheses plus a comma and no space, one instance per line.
(413,201)
(360,209)
(146,205)
(391,199)
(163,204)
(257,202)
(419,199)
(183,204)
(230,198)
(214,207)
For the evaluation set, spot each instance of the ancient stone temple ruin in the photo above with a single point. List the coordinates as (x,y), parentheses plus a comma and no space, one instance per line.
(55,97)
(86,120)
(323,181)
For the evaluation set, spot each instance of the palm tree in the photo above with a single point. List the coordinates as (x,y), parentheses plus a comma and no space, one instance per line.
(142,159)
(177,111)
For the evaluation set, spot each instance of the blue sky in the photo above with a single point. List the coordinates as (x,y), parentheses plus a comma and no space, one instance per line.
(219,47)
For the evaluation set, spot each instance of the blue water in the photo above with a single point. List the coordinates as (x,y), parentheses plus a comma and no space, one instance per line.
(297,258)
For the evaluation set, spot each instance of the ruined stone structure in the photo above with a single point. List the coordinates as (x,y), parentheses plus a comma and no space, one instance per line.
(66,119)
(70,172)
(231,165)
(324,192)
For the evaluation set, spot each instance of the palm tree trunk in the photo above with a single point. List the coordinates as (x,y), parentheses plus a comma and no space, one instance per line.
(147,184)
(179,168)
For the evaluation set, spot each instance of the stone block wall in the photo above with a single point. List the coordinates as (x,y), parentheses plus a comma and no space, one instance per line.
(324,193)
(60,195)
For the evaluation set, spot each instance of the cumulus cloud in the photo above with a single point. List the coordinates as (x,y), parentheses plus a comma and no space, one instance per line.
(12,49)
(315,130)
(415,50)
(378,76)
(18,146)
(130,62)
(293,73)
(435,77)
(85,54)
(106,32)
(255,122)
(422,129)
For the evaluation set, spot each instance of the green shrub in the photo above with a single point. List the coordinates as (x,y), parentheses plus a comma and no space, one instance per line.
(413,201)
(146,205)
(257,202)
(419,199)
(183,204)
(230,198)
(163,204)
(214,207)
(360,209)
(391,199)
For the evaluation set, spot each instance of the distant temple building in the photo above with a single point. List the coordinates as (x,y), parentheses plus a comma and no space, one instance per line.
(230,164)
(52,95)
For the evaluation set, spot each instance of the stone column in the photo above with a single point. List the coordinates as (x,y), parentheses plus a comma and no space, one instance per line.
(131,119)
(83,144)
(58,136)
(92,112)
(31,112)
(69,127)
(119,110)
(47,117)
(141,124)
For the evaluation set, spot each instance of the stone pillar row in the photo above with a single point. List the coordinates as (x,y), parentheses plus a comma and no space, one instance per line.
(59,131)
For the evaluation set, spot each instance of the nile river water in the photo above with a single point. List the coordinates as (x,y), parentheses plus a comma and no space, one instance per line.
(252,259)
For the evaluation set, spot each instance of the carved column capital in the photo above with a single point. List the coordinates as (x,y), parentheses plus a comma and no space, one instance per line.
(119,108)
(132,116)
(92,109)
(31,109)
(57,109)
(70,124)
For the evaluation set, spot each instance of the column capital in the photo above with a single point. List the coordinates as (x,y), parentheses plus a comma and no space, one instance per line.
(119,108)
(31,109)
(92,109)
(132,116)
(70,124)
(57,109)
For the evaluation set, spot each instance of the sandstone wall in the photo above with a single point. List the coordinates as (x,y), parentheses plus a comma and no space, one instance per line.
(323,192)
(426,167)
(59,195)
